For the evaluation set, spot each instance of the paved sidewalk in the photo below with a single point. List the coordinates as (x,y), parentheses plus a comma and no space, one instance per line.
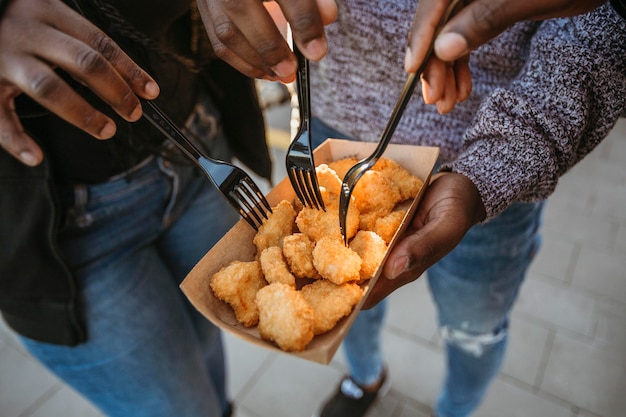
(568,336)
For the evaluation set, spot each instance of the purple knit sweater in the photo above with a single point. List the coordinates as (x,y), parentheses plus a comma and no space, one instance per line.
(544,95)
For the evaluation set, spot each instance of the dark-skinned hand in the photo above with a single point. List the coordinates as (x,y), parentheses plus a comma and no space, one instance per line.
(447,79)
(39,36)
(244,34)
(450,206)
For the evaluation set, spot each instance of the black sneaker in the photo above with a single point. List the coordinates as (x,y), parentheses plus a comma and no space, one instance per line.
(351,399)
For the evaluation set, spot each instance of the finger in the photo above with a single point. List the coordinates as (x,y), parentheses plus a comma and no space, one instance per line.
(463,78)
(428,14)
(244,34)
(307,27)
(433,80)
(43,85)
(476,24)
(12,136)
(328,10)
(97,61)
(449,98)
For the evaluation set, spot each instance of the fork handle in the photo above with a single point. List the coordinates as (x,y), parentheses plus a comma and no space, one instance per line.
(161,121)
(302,86)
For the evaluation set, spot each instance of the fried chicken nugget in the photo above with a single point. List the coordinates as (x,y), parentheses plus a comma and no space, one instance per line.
(331,302)
(237,284)
(328,178)
(375,192)
(285,317)
(387,226)
(298,251)
(276,227)
(317,223)
(336,262)
(342,166)
(408,184)
(371,248)
(275,268)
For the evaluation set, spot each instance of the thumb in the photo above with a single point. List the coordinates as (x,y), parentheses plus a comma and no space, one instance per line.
(477,23)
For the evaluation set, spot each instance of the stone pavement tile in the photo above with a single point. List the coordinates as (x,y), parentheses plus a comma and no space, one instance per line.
(416,369)
(620,241)
(510,400)
(289,386)
(22,381)
(576,227)
(410,411)
(412,310)
(611,331)
(587,376)
(601,272)
(557,304)
(527,348)
(66,403)
(554,258)
(244,362)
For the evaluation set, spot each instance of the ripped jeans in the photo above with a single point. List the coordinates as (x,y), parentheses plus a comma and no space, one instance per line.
(474,287)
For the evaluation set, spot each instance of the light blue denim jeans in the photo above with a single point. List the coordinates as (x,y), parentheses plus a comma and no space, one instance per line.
(474,288)
(130,242)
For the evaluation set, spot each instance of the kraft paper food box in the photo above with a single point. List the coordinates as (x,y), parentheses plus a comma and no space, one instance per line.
(237,244)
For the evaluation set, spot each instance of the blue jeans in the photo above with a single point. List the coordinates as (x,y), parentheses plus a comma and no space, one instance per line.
(130,242)
(474,288)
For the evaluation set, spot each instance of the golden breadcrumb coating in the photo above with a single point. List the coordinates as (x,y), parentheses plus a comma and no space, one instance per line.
(408,184)
(331,302)
(336,262)
(237,284)
(275,268)
(375,192)
(327,178)
(371,248)
(342,166)
(285,317)
(387,226)
(317,223)
(298,252)
(276,227)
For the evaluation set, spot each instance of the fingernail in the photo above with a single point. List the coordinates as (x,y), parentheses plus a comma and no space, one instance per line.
(28,158)
(151,88)
(408,58)
(426,92)
(316,49)
(285,69)
(136,114)
(450,46)
(399,266)
(107,131)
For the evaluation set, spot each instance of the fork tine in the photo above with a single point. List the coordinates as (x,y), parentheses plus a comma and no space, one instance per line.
(306,188)
(312,186)
(250,203)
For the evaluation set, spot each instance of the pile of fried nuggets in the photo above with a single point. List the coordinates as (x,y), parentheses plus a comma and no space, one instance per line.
(304,279)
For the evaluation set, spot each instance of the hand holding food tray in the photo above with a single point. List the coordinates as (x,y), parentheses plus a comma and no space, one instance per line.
(238,245)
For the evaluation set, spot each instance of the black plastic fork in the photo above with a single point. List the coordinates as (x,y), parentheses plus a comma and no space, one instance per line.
(238,188)
(299,160)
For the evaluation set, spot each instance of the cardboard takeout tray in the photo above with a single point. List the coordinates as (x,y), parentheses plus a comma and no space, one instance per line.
(237,244)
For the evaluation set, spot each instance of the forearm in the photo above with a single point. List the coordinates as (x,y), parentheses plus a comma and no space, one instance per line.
(564,103)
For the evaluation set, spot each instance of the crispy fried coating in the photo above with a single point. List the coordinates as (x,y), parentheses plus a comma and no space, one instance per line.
(408,184)
(285,317)
(342,166)
(317,223)
(375,192)
(237,284)
(327,178)
(276,227)
(371,248)
(298,252)
(387,226)
(336,262)
(331,302)
(275,268)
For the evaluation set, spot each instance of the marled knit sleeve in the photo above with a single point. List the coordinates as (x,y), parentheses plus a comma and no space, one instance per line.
(565,101)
